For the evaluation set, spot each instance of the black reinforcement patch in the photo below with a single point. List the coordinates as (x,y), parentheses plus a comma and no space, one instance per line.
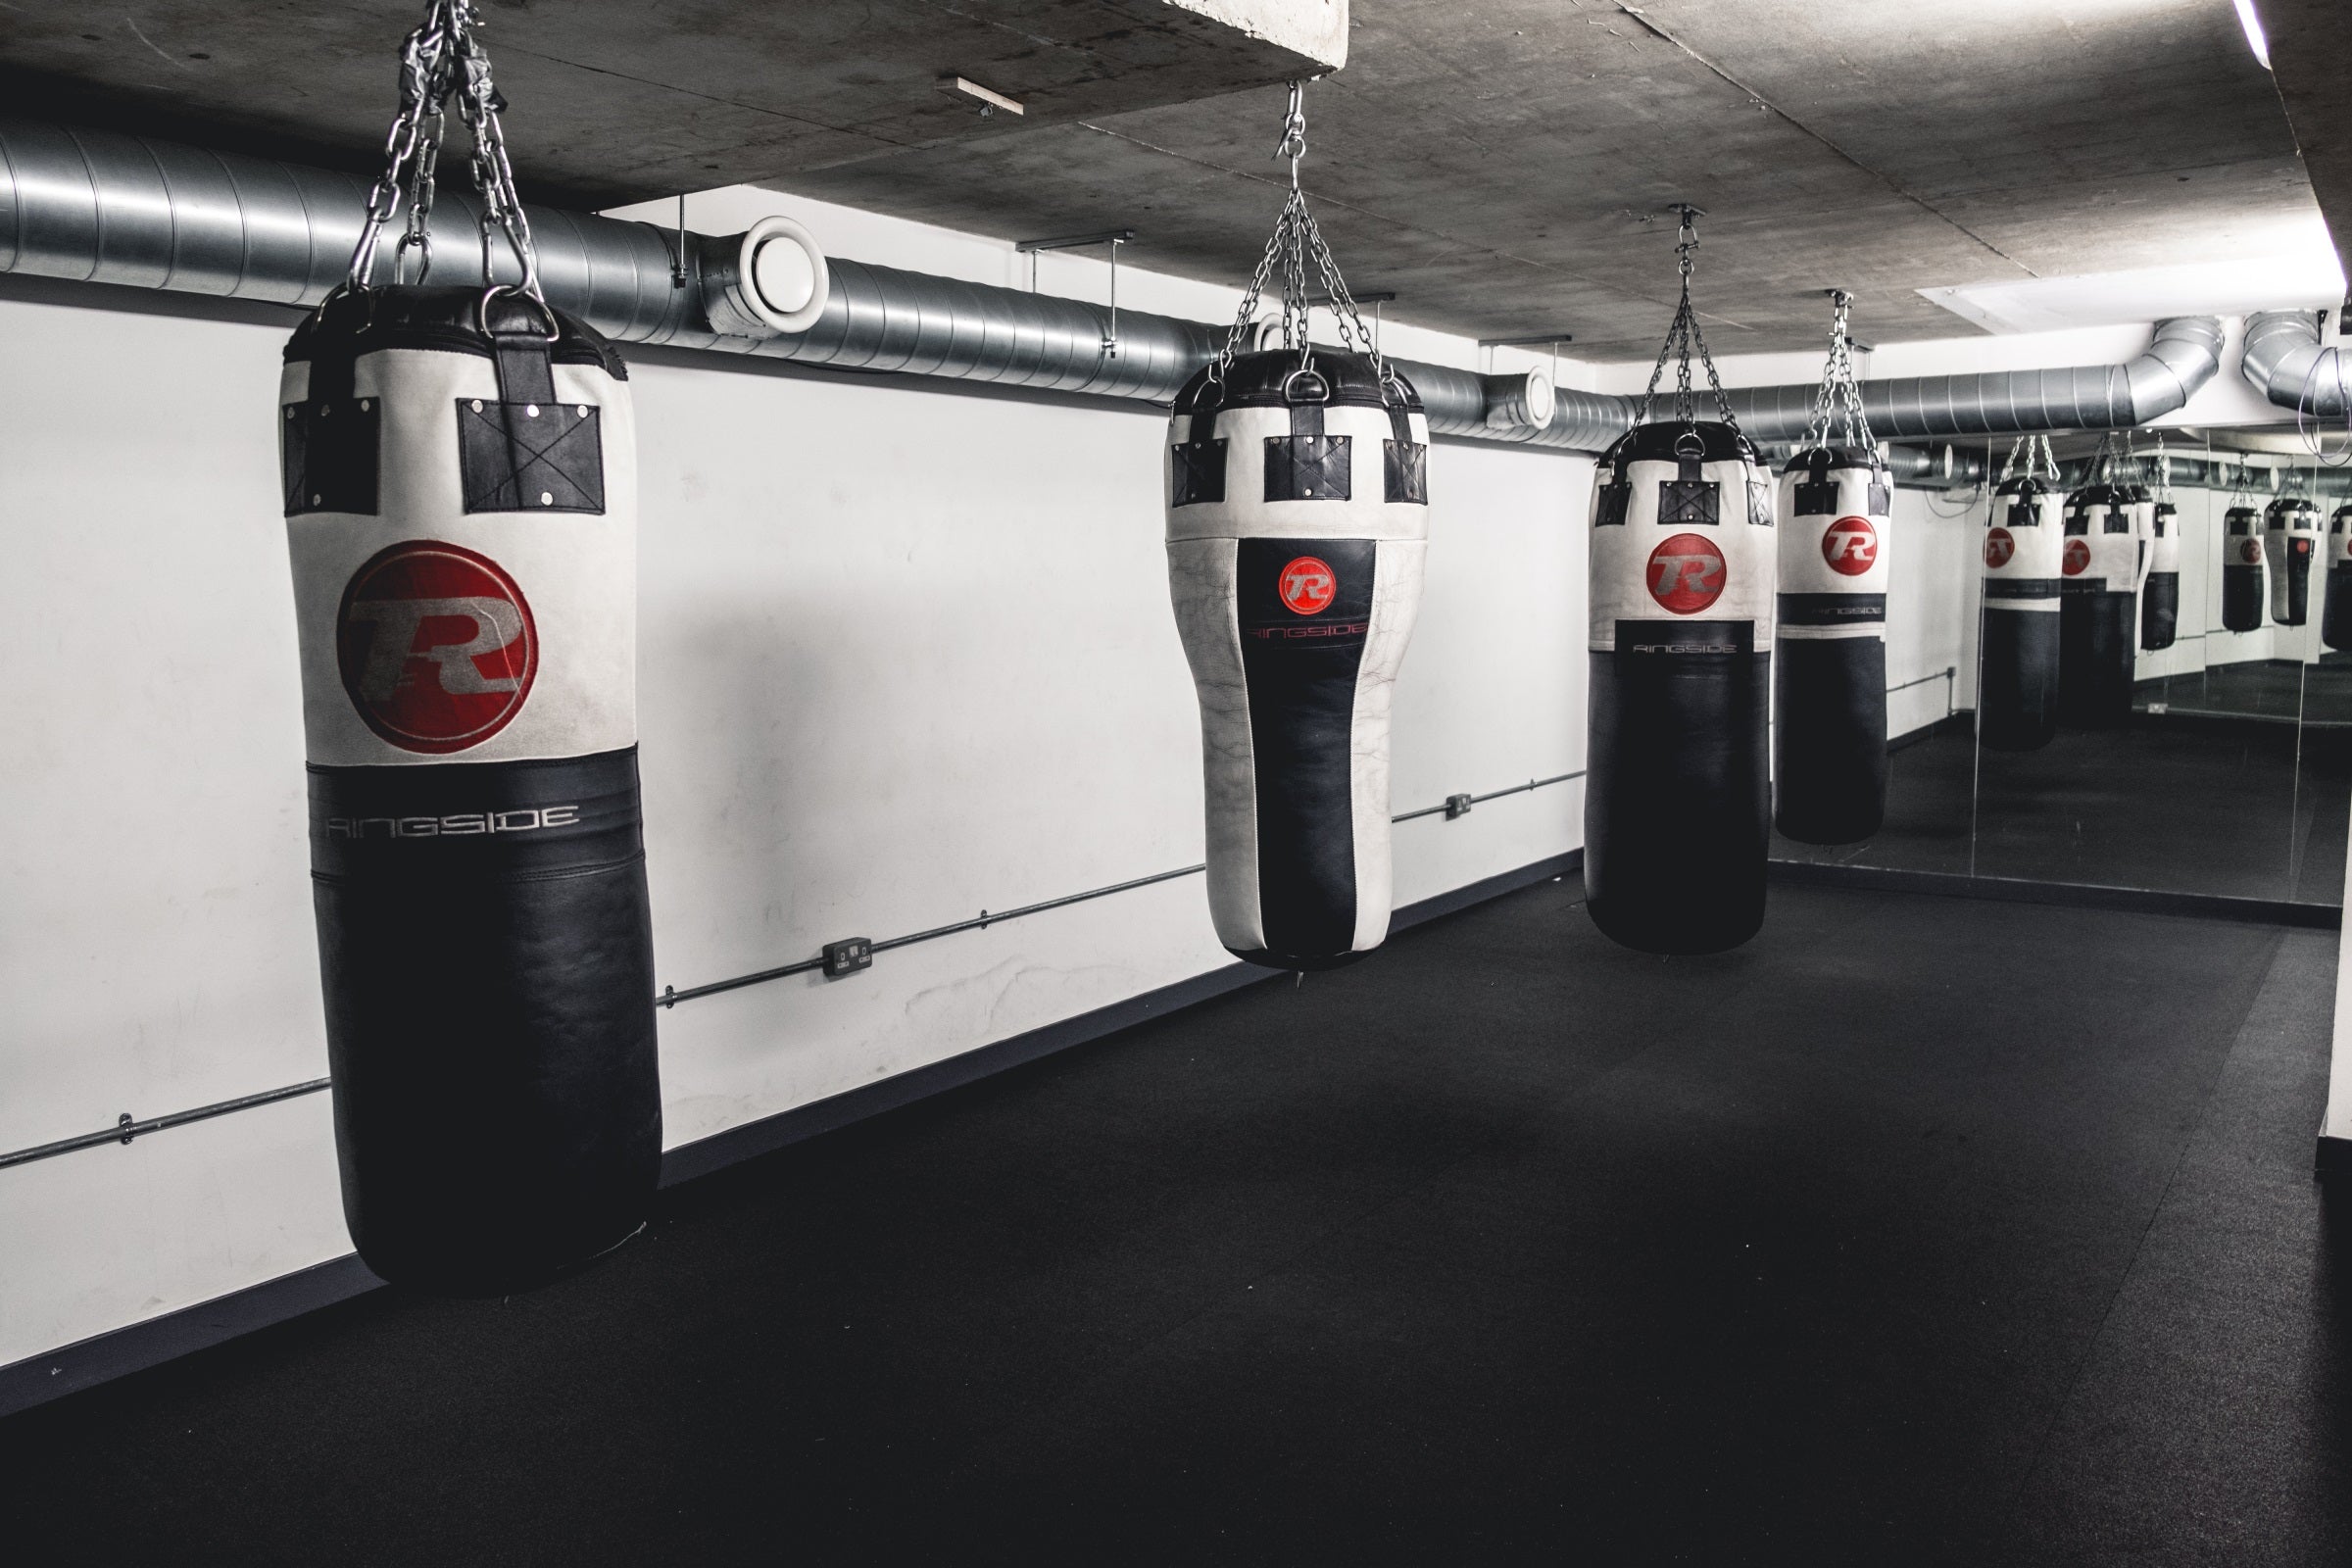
(1304,615)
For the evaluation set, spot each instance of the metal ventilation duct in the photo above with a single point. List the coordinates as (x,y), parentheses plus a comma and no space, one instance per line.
(2284,363)
(107,208)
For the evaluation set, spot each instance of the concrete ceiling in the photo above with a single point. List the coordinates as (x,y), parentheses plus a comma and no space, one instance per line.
(1501,164)
(621,100)
(2311,45)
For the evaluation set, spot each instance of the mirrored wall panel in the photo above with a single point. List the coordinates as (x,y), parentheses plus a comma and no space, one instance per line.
(2135,673)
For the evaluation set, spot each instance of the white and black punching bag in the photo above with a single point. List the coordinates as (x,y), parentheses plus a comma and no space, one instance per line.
(2160,598)
(460,508)
(2018,677)
(1297,524)
(2098,573)
(2336,619)
(2290,542)
(1677,810)
(2245,571)
(1829,747)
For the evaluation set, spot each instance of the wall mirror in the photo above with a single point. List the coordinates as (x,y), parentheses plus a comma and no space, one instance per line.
(2221,764)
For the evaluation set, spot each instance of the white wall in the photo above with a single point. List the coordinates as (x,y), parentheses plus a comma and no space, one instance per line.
(907,653)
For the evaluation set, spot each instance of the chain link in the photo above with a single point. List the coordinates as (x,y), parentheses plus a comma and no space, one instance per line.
(1838,402)
(1682,336)
(442,57)
(1295,245)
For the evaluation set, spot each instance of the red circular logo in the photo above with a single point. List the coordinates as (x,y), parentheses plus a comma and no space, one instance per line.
(1850,545)
(436,646)
(2077,556)
(2250,552)
(1308,586)
(1999,546)
(1687,574)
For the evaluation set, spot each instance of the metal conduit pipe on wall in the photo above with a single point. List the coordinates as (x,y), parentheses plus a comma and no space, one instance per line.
(103,206)
(2284,363)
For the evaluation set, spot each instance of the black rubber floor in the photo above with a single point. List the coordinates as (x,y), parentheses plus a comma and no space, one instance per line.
(1918,1231)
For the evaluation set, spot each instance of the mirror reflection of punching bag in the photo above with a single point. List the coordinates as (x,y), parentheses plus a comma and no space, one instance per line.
(2290,542)
(2245,571)
(1298,522)
(2017,697)
(2335,620)
(461,511)
(2097,636)
(2160,599)
(1829,666)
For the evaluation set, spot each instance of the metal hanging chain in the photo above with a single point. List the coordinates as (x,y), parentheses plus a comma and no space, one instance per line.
(1296,245)
(442,58)
(1682,336)
(1840,399)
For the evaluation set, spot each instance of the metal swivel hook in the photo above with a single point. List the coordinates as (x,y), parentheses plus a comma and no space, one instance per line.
(1293,131)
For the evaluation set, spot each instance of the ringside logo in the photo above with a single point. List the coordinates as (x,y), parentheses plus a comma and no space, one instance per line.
(1687,574)
(1850,545)
(1309,586)
(460,824)
(2077,556)
(2250,552)
(1999,546)
(436,646)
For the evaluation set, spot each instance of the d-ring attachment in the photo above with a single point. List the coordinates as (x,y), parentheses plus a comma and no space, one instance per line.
(1322,386)
(481,310)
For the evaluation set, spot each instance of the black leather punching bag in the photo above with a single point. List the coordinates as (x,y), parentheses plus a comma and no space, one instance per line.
(2290,543)
(2245,571)
(2016,682)
(1677,796)
(460,506)
(2098,570)
(1297,524)
(2335,620)
(2160,598)
(1829,745)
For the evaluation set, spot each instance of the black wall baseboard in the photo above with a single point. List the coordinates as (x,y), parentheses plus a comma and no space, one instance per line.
(2070,895)
(102,1357)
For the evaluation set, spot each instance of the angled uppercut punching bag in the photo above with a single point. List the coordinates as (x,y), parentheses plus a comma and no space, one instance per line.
(2018,677)
(460,509)
(1297,488)
(2290,542)
(2245,571)
(1829,653)
(2335,620)
(1298,522)
(2099,570)
(2160,598)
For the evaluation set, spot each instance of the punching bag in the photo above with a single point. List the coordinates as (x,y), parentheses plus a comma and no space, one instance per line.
(1829,674)
(1298,522)
(2245,571)
(2018,678)
(2335,620)
(1677,794)
(2099,570)
(2290,541)
(460,499)
(2160,599)
(460,509)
